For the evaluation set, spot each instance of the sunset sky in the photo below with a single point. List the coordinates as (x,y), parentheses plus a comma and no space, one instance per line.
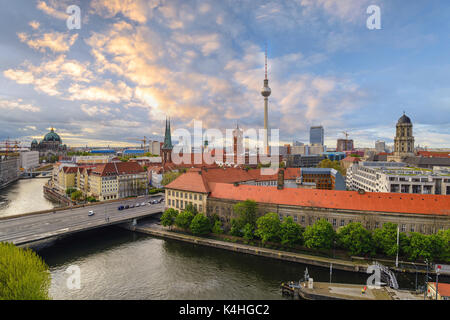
(133,63)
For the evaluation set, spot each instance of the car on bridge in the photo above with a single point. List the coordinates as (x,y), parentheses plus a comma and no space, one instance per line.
(127,206)
(91,213)
(137,205)
(142,204)
(120,208)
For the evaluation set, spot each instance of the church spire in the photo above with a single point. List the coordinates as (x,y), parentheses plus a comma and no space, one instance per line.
(167,137)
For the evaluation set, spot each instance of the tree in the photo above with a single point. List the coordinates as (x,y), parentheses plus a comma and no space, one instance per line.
(184,219)
(356,239)
(320,235)
(268,227)
(191,208)
(385,240)
(76,195)
(23,274)
(248,232)
(217,227)
(200,225)
(168,177)
(445,237)
(70,190)
(168,217)
(327,163)
(246,212)
(291,233)
(236,228)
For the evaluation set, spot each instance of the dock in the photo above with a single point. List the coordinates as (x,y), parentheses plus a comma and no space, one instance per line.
(340,291)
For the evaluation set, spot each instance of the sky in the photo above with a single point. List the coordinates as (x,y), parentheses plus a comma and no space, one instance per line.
(134,63)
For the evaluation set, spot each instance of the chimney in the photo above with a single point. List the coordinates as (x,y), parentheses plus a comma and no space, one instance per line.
(280,179)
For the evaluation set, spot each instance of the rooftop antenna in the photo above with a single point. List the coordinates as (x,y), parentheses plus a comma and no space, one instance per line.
(265,61)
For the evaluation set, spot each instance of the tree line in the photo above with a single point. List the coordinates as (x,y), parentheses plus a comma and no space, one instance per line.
(353,237)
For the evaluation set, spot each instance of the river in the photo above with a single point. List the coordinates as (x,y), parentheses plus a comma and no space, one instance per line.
(119,264)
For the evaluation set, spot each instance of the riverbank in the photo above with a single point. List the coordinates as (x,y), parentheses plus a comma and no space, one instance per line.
(359,265)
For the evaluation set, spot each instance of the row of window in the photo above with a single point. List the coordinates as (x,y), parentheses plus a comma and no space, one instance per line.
(180,204)
(180,194)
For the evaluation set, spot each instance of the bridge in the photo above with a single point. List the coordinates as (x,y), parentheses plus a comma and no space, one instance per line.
(30,228)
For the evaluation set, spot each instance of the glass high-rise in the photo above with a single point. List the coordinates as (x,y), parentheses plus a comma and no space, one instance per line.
(316,135)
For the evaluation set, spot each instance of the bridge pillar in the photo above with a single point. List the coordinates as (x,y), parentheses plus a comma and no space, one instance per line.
(134,222)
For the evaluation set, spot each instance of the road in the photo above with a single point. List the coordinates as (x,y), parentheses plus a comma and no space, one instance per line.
(27,229)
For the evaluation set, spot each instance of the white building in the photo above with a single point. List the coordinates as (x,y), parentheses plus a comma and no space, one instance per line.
(29,159)
(396,177)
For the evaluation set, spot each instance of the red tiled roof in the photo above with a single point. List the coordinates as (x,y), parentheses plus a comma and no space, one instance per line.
(351,159)
(70,169)
(190,181)
(117,168)
(434,154)
(347,200)
(443,288)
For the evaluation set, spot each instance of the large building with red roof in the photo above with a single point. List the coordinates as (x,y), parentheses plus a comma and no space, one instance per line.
(217,193)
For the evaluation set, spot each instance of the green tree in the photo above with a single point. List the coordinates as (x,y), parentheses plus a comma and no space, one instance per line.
(191,208)
(70,190)
(327,163)
(248,232)
(356,239)
(76,195)
(168,217)
(445,237)
(246,212)
(268,227)
(217,227)
(291,233)
(184,219)
(320,235)
(236,227)
(23,274)
(385,240)
(168,177)
(200,225)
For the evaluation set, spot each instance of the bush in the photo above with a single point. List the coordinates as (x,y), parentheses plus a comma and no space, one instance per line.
(200,225)
(23,274)
(236,228)
(320,235)
(184,219)
(356,239)
(246,212)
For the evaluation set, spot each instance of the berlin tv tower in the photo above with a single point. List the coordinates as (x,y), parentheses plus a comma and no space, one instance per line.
(265,91)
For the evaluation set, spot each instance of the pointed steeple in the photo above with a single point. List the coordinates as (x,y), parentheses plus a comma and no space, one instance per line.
(167,137)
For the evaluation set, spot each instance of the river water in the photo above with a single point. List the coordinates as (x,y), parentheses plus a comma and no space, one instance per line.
(119,264)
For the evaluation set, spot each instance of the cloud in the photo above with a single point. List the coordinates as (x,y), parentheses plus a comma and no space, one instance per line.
(54,9)
(95,110)
(17,104)
(107,92)
(54,41)
(34,24)
(135,10)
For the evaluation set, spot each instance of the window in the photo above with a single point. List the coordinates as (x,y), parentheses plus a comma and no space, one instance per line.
(403,227)
(195,196)
(334,222)
(295,218)
(200,208)
(342,223)
(412,228)
(377,224)
(200,197)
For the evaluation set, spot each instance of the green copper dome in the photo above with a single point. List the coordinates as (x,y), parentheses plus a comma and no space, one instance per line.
(52,136)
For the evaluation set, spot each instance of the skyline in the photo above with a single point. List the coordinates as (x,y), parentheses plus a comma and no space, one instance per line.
(133,63)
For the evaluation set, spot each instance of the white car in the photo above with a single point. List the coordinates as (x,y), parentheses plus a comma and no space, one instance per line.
(137,205)
(142,204)
(91,213)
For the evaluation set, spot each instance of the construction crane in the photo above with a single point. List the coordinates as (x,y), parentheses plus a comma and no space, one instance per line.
(9,145)
(346,134)
(144,141)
